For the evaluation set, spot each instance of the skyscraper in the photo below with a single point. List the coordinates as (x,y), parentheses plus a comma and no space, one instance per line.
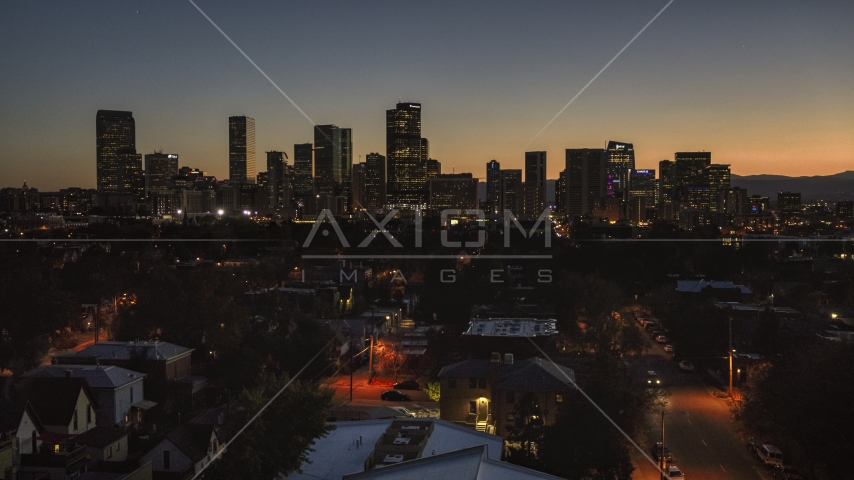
(643,194)
(535,184)
(358,186)
(586,177)
(374,196)
(434,168)
(453,191)
(667,181)
(407,172)
(493,187)
(241,149)
(159,169)
(304,176)
(689,175)
(115,133)
(279,186)
(512,192)
(131,175)
(718,177)
(621,159)
(560,194)
(333,160)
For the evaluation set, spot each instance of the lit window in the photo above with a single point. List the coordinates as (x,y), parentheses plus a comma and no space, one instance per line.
(559,398)
(56,448)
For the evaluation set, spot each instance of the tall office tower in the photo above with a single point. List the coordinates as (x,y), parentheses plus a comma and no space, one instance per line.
(732,201)
(434,168)
(535,184)
(642,183)
(493,187)
(304,177)
(333,160)
(621,160)
(115,134)
(690,168)
(453,191)
(407,171)
(666,181)
(374,196)
(717,176)
(131,176)
(241,149)
(512,192)
(560,194)
(278,182)
(358,186)
(160,168)
(425,149)
(758,204)
(586,178)
(788,203)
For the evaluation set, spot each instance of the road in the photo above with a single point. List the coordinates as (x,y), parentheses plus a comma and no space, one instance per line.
(369,395)
(698,428)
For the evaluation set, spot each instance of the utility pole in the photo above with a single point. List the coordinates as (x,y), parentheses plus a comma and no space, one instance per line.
(661,452)
(371,362)
(730,356)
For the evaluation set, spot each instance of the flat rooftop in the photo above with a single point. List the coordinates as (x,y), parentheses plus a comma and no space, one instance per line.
(511,327)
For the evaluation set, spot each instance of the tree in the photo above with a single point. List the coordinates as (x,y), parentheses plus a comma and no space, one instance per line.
(280,439)
(526,432)
(433,391)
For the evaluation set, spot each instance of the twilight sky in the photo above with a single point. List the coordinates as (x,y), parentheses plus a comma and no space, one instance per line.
(765,86)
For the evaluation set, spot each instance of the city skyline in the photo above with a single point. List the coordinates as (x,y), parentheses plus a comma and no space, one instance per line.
(761,88)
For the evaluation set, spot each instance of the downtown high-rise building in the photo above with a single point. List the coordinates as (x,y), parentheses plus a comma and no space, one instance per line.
(358,186)
(374,195)
(690,175)
(666,181)
(493,187)
(115,133)
(434,168)
(333,162)
(304,174)
(535,184)
(718,177)
(642,194)
(160,169)
(620,161)
(512,192)
(586,179)
(241,149)
(279,180)
(560,194)
(405,153)
(453,191)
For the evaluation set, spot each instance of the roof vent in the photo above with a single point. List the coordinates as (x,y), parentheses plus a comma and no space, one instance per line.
(508,358)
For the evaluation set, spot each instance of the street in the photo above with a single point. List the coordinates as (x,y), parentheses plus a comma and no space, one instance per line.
(698,427)
(369,395)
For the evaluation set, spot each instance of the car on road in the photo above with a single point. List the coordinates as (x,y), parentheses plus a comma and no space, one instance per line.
(770,455)
(395,396)
(652,379)
(661,339)
(410,384)
(660,451)
(404,412)
(686,366)
(674,473)
(788,472)
(668,348)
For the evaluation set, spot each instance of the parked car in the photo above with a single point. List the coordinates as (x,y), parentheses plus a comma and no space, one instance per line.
(674,473)
(660,451)
(788,472)
(687,366)
(404,412)
(410,384)
(661,339)
(770,455)
(668,348)
(395,396)
(652,379)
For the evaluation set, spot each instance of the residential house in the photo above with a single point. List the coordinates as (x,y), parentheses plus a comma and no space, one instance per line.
(65,406)
(725,291)
(120,392)
(19,432)
(483,393)
(185,450)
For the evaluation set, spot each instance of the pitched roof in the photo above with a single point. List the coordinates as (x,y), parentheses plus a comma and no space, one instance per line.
(101,436)
(96,376)
(127,350)
(467,464)
(531,375)
(193,439)
(53,399)
(11,412)
(697,286)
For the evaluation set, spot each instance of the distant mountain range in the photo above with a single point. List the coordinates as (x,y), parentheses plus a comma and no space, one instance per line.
(839,186)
